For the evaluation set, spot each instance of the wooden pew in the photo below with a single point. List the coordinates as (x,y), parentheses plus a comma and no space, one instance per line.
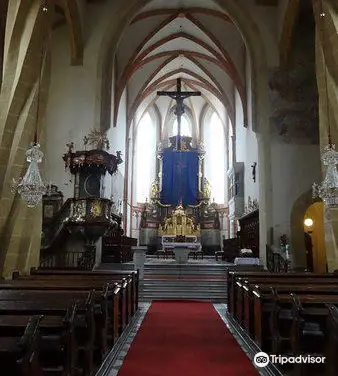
(134,275)
(56,344)
(241,286)
(332,341)
(263,312)
(310,332)
(49,306)
(19,350)
(233,276)
(269,290)
(127,303)
(107,297)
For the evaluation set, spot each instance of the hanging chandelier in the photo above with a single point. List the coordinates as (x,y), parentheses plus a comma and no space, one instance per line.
(328,189)
(31,187)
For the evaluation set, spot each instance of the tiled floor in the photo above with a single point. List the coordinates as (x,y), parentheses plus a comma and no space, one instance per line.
(115,358)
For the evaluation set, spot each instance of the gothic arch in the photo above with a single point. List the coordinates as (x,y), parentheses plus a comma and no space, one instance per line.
(239,16)
(297,228)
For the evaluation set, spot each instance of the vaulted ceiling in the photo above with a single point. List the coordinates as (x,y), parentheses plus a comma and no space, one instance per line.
(191,39)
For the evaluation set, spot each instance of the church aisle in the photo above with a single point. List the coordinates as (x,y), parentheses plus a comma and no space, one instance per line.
(185,338)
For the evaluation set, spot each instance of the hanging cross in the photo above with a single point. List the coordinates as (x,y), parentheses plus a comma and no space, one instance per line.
(179,97)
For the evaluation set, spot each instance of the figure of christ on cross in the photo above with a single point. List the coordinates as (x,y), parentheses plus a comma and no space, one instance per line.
(179,97)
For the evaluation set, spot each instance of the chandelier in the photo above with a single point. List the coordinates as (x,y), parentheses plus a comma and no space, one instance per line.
(31,187)
(328,189)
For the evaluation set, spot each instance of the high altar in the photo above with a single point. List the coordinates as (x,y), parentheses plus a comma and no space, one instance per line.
(180,213)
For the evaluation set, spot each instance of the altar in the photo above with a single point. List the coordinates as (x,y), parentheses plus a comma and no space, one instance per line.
(181,249)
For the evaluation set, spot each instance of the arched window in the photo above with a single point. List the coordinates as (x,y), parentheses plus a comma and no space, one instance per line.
(185,127)
(214,142)
(230,146)
(145,157)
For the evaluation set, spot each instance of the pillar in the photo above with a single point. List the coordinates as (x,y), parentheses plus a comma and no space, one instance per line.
(20,227)
(327,64)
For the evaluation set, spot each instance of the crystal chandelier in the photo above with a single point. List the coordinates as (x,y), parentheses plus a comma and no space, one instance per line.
(31,187)
(328,189)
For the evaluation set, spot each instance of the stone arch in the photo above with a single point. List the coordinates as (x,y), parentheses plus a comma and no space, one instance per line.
(297,228)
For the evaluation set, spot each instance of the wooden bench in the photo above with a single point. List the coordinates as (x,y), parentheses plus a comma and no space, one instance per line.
(19,354)
(84,328)
(85,281)
(119,274)
(109,296)
(236,287)
(233,276)
(56,344)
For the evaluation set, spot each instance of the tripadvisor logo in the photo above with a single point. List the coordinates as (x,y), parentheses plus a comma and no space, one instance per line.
(262,359)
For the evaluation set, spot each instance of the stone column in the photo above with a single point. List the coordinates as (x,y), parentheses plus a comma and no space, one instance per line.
(20,227)
(265,192)
(327,80)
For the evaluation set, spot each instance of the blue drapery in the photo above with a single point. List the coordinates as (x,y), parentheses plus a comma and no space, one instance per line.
(179,177)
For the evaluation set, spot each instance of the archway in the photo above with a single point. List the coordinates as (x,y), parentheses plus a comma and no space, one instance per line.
(299,209)
(314,232)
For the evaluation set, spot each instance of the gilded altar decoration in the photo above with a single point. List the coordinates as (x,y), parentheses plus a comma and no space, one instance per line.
(78,211)
(179,223)
(155,190)
(206,189)
(96,209)
(97,139)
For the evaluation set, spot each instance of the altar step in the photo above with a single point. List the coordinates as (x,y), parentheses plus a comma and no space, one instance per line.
(196,282)
(214,291)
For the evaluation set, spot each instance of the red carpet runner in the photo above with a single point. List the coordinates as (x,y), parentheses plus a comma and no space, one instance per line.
(185,339)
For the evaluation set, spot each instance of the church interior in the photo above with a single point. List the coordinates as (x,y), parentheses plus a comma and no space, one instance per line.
(168,187)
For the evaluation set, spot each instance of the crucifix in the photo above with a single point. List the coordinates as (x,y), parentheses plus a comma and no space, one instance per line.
(179,97)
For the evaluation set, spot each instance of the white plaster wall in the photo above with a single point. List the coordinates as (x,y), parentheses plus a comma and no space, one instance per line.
(70,110)
(294,169)
(117,140)
(246,151)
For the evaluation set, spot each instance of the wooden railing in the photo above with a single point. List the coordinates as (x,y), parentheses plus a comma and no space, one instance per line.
(275,262)
(83,260)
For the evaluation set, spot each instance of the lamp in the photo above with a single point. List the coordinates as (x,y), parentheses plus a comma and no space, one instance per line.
(308,222)
(328,189)
(31,187)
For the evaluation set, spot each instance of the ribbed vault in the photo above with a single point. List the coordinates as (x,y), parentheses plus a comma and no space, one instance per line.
(163,42)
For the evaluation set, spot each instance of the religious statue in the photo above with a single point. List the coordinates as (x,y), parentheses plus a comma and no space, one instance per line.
(206,189)
(97,139)
(155,192)
(254,171)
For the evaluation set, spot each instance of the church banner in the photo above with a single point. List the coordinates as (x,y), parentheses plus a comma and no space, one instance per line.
(180,177)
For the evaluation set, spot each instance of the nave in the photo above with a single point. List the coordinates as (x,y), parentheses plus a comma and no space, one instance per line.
(71,322)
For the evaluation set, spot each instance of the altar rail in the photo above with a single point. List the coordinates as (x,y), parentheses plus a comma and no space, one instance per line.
(275,262)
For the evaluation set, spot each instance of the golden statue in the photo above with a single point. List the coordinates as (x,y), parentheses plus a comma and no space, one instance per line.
(206,189)
(154,193)
(178,223)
